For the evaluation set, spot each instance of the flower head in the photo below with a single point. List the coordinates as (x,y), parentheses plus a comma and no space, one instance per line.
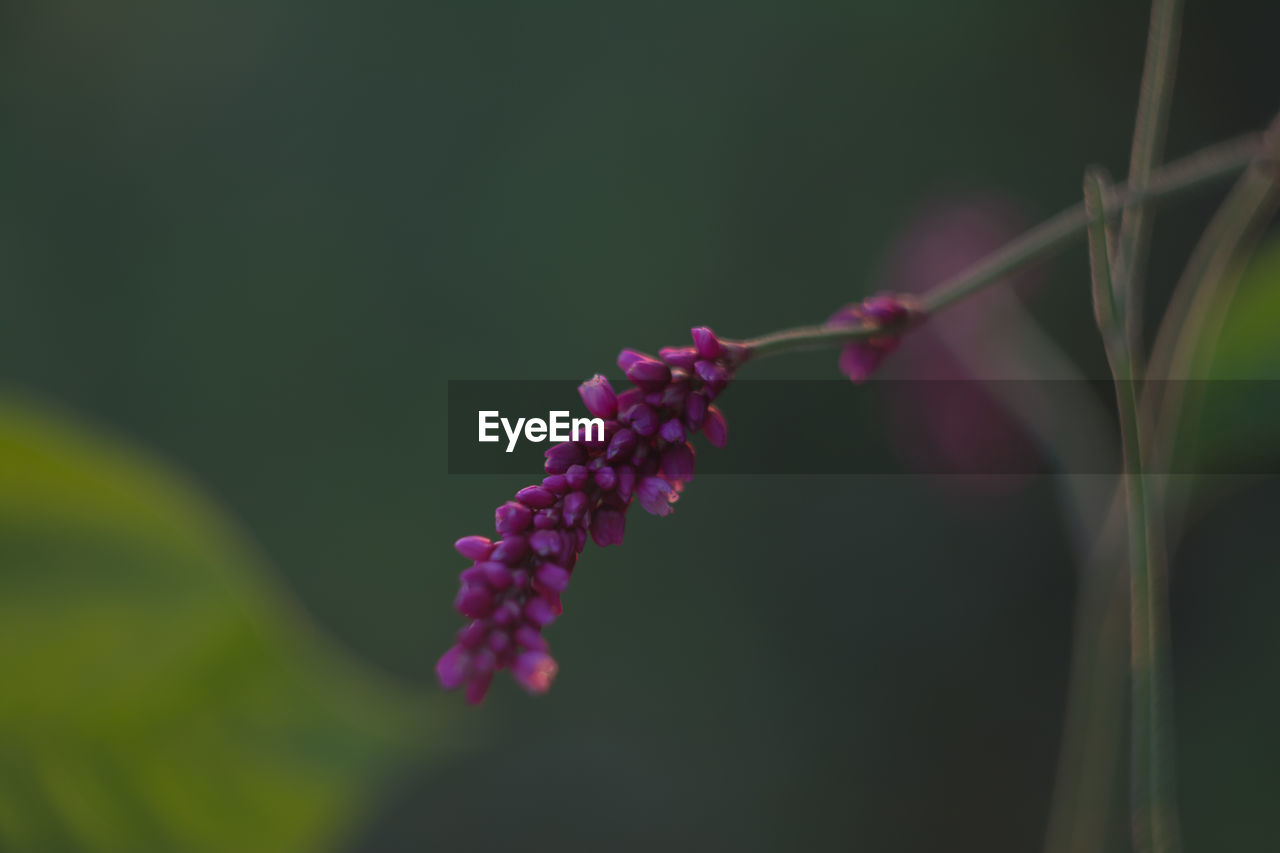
(859,359)
(512,590)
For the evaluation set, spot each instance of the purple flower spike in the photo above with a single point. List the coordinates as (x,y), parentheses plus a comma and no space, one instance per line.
(535,671)
(474,547)
(706,343)
(513,588)
(656,495)
(714,428)
(597,395)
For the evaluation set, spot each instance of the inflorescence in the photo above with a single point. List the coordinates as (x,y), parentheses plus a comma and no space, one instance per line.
(513,588)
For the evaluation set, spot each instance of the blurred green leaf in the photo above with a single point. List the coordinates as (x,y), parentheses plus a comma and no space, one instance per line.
(158,693)
(1250,344)
(1239,417)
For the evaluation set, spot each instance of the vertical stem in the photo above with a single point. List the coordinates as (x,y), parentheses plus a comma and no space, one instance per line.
(1154,817)
(1155,95)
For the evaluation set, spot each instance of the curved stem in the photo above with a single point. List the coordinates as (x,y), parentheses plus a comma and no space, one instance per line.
(1149,131)
(1197,170)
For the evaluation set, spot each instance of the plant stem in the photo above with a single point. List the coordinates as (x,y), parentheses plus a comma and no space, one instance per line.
(1150,127)
(1197,170)
(1153,814)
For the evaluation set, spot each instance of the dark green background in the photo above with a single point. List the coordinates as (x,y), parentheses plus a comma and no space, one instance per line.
(260,236)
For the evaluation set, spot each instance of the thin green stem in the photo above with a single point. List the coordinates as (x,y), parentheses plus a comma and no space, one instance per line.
(1153,812)
(1195,171)
(1150,127)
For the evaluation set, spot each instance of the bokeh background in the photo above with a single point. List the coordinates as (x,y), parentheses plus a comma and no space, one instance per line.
(243,246)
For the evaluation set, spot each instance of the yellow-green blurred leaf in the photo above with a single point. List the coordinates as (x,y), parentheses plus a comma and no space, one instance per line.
(158,690)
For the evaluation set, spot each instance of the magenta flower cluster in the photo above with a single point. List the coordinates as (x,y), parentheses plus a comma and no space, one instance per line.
(512,590)
(860,358)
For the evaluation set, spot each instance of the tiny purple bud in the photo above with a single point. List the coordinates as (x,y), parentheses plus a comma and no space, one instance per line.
(859,359)
(497,575)
(649,374)
(624,441)
(473,635)
(477,687)
(629,398)
(452,667)
(606,478)
(673,396)
(511,517)
(695,410)
(519,579)
(711,373)
(546,519)
(597,394)
(577,476)
(644,421)
(715,429)
(552,577)
(656,495)
(474,601)
(527,637)
(607,526)
(535,497)
(539,612)
(472,575)
(561,456)
(545,542)
(511,550)
(474,547)
(679,356)
(575,507)
(626,482)
(678,463)
(555,483)
(507,614)
(706,343)
(629,357)
(535,671)
(672,430)
(499,643)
